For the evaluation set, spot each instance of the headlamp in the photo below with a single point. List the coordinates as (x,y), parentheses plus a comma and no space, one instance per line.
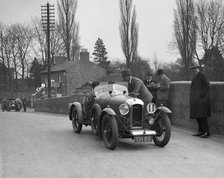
(124,109)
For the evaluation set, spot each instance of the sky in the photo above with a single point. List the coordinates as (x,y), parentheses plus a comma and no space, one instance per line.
(101,19)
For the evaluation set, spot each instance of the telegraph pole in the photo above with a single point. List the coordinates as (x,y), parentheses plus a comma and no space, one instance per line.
(48,24)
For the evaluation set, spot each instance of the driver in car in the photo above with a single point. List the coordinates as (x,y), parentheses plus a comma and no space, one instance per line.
(136,87)
(89,100)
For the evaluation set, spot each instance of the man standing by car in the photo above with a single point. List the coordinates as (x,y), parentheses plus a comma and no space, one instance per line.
(200,100)
(24,104)
(136,87)
(164,86)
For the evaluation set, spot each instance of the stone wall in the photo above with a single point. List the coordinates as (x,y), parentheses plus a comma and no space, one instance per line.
(178,100)
(57,105)
(179,104)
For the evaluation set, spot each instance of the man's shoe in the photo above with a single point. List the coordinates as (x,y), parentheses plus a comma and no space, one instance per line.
(205,135)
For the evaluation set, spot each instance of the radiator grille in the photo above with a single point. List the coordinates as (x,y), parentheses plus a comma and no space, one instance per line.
(137,115)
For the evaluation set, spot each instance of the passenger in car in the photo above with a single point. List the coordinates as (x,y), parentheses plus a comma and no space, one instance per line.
(136,87)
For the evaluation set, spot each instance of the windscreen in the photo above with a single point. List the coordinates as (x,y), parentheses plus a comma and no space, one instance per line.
(111,89)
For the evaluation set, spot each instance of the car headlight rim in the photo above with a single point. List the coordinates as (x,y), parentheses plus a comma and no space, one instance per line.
(124,109)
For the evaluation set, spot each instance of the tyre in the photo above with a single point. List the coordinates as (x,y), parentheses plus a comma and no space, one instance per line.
(95,116)
(109,131)
(163,129)
(76,114)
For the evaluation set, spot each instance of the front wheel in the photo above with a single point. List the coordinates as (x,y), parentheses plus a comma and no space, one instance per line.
(109,131)
(76,114)
(95,116)
(163,129)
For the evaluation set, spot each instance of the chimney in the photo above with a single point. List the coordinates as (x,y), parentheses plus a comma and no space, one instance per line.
(84,55)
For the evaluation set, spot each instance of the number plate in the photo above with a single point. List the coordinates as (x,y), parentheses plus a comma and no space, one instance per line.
(143,138)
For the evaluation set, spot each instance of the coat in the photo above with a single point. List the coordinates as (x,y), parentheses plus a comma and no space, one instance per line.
(200,97)
(152,87)
(137,86)
(164,88)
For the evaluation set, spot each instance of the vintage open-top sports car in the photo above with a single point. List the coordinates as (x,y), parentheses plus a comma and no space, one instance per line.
(113,114)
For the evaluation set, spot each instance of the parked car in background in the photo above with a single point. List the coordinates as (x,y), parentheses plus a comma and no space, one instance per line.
(11,104)
(114,114)
(5,105)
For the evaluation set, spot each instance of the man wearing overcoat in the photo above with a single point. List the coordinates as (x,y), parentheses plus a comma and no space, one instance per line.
(164,86)
(200,100)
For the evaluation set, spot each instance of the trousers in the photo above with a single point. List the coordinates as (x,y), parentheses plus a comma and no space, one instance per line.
(203,125)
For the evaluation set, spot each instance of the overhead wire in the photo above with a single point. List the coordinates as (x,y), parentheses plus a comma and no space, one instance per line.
(32,7)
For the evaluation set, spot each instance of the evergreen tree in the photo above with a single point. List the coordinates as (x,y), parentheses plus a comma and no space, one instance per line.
(100,53)
(35,70)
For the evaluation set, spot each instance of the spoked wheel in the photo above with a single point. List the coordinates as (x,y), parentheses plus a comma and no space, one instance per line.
(76,114)
(163,130)
(95,119)
(109,131)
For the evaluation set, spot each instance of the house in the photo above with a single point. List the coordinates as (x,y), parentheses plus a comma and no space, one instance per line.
(67,76)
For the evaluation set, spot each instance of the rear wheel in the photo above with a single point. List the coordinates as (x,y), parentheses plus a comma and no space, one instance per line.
(163,129)
(109,131)
(76,114)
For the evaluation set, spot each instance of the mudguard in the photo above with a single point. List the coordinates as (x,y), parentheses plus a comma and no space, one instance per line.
(79,108)
(164,109)
(109,111)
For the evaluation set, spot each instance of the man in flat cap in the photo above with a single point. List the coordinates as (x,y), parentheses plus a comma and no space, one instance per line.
(164,86)
(137,87)
(200,100)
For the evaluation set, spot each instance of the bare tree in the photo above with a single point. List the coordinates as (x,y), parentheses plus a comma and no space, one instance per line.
(210,29)
(40,44)
(185,31)
(24,37)
(69,27)
(2,57)
(128,31)
(210,23)
(57,47)
(155,61)
(7,56)
(11,32)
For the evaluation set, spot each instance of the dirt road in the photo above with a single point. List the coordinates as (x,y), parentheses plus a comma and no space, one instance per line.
(44,145)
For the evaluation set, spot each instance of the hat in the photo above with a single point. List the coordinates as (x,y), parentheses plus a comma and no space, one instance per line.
(160,72)
(194,64)
(126,72)
(148,73)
